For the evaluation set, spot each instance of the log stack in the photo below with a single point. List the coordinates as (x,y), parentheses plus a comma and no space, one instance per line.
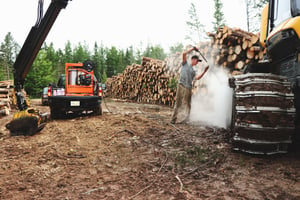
(6,99)
(150,82)
(233,49)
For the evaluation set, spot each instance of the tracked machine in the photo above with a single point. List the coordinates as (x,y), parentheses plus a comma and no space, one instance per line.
(28,121)
(266,103)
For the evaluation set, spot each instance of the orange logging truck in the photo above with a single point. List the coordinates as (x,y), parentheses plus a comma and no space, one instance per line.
(77,91)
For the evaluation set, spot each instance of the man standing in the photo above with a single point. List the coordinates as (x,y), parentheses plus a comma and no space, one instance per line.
(184,88)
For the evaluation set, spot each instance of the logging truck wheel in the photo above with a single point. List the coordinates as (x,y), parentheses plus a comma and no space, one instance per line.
(55,114)
(98,110)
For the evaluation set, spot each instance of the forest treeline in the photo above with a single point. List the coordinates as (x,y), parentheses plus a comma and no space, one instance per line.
(50,62)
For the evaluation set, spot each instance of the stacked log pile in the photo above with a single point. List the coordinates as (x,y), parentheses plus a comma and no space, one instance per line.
(150,82)
(233,49)
(155,81)
(6,90)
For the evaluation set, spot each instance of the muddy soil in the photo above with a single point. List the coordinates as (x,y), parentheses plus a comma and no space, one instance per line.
(133,152)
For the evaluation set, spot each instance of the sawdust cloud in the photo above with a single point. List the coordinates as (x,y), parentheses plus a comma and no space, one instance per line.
(212,104)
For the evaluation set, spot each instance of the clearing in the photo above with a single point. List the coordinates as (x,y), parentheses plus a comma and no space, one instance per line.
(133,152)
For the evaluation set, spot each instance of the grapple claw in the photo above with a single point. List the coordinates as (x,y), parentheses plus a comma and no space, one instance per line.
(27,122)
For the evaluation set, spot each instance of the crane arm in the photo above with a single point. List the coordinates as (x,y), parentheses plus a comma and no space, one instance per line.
(32,45)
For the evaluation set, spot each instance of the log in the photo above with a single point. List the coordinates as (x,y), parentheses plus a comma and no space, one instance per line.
(4,111)
(245,44)
(250,54)
(238,49)
(239,65)
(254,39)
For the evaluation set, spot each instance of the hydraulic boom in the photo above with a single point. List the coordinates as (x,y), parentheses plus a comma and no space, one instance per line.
(29,121)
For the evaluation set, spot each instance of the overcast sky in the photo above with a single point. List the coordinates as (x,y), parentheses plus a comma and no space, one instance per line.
(121,23)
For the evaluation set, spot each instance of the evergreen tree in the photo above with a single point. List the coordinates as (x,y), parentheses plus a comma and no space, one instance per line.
(112,61)
(218,15)
(176,48)
(55,57)
(50,63)
(138,56)
(81,53)
(96,59)
(8,52)
(255,14)
(156,52)
(68,53)
(129,56)
(102,63)
(196,29)
(122,64)
(99,59)
(40,74)
(61,63)
(50,52)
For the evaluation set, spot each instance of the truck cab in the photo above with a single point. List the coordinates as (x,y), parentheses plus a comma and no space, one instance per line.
(78,91)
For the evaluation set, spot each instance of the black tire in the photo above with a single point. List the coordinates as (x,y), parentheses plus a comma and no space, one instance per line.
(98,110)
(263,114)
(55,114)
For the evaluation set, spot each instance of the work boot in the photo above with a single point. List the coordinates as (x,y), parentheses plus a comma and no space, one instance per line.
(185,121)
(173,120)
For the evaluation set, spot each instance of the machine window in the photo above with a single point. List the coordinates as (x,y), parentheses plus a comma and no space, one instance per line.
(282,11)
(295,7)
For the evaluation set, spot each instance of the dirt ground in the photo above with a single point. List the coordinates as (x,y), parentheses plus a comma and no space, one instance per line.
(133,152)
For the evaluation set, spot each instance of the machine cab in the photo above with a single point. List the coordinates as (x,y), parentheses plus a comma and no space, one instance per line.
(280,28)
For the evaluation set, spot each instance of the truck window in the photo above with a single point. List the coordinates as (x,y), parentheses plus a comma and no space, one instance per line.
(61,81)
(45,90)
(282,11)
